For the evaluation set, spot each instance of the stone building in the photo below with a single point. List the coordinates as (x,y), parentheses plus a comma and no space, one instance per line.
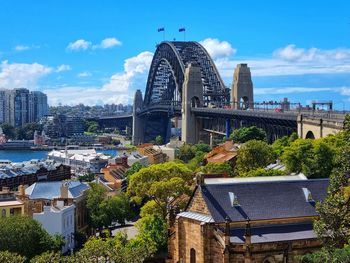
(247,222)
(58,194)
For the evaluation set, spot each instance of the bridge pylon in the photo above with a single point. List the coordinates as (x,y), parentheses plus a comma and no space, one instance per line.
(137,122)
(192,96)
(242,88)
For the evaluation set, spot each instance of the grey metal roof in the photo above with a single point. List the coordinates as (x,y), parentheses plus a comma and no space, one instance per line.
(51,190)
(196,216)
(263,200)
(275,233)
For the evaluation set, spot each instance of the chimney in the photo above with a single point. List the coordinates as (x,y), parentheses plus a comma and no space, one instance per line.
(21,190)
(200,179)
(64,190)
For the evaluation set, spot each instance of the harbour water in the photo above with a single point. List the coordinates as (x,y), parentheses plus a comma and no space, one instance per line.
(27,155)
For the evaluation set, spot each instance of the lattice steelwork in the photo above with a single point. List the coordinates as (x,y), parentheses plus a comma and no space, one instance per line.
(166,75)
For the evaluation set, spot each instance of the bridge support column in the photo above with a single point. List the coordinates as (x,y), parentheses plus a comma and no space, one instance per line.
(228,128)
(192,95)
(137,122)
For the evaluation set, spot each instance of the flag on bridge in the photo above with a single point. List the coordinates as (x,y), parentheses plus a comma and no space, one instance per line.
(182,29)
(161,29)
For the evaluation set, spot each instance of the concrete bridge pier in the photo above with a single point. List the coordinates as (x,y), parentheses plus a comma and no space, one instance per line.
(137,123)
(192,96)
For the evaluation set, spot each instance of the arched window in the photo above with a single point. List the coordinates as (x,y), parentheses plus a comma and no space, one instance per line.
(192,255)
(310,135)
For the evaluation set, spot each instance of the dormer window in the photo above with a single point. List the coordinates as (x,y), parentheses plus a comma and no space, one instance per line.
(307,195)
(233,199)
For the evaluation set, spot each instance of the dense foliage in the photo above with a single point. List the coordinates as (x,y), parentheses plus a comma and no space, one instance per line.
(21,133)
(25,237)
(103,211)
(314,158)
(135,167)
(163,183)
(245,134)
(189,151)
(218,168)
(280,144)
(253,155)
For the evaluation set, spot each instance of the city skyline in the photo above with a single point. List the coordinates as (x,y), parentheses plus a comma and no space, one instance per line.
(95,54)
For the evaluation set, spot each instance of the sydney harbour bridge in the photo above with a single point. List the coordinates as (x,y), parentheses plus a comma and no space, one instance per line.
(184,83)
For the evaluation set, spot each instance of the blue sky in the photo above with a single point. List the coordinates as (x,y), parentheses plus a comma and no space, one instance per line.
(97,52)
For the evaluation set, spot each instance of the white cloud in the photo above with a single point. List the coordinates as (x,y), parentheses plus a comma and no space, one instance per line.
(21,75)
(24,47)
(87,95)
(292,53)
(288,90)
(21,48)
(135,70)
(63,67)
(79,44)
(108,43)
(118,89)
(218,49)
(84,74)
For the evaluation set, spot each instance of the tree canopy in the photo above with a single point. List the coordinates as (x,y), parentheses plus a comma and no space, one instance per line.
(103,211)
(189,151)
(314,158)
(163,183)
(25,236)
(252,155)
(218,168)
(245,134)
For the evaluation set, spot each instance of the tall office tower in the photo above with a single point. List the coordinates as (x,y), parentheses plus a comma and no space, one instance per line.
(40,105)
(2,105)
(19,107)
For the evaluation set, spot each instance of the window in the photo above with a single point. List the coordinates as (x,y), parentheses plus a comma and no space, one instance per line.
(12,211)
(192,255)
(3,212)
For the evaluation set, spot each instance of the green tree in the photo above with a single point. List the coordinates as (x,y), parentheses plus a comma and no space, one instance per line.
(252,155)
(118,209)
(116,249)
(153,228)
(8,130)
(96,196)
(159,140)
(218,168)
(188,151)
(135,167)
(8,257)
(51,257)
(164,183)
(334,224)
(314,158)
(339,255)
(263,172)
(280,144)
(245,134)
(25,237)
(87,177)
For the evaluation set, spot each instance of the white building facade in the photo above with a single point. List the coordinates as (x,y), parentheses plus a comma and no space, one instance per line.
(59,220)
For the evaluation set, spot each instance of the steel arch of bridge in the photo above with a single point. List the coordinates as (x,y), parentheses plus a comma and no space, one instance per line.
(166,74)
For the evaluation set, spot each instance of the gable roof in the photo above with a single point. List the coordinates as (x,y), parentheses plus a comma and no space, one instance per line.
(263,200)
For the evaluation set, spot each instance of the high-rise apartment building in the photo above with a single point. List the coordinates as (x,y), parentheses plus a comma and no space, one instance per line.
(20,106)
(41,108)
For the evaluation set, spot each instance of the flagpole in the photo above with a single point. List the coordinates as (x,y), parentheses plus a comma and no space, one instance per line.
(164,34)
